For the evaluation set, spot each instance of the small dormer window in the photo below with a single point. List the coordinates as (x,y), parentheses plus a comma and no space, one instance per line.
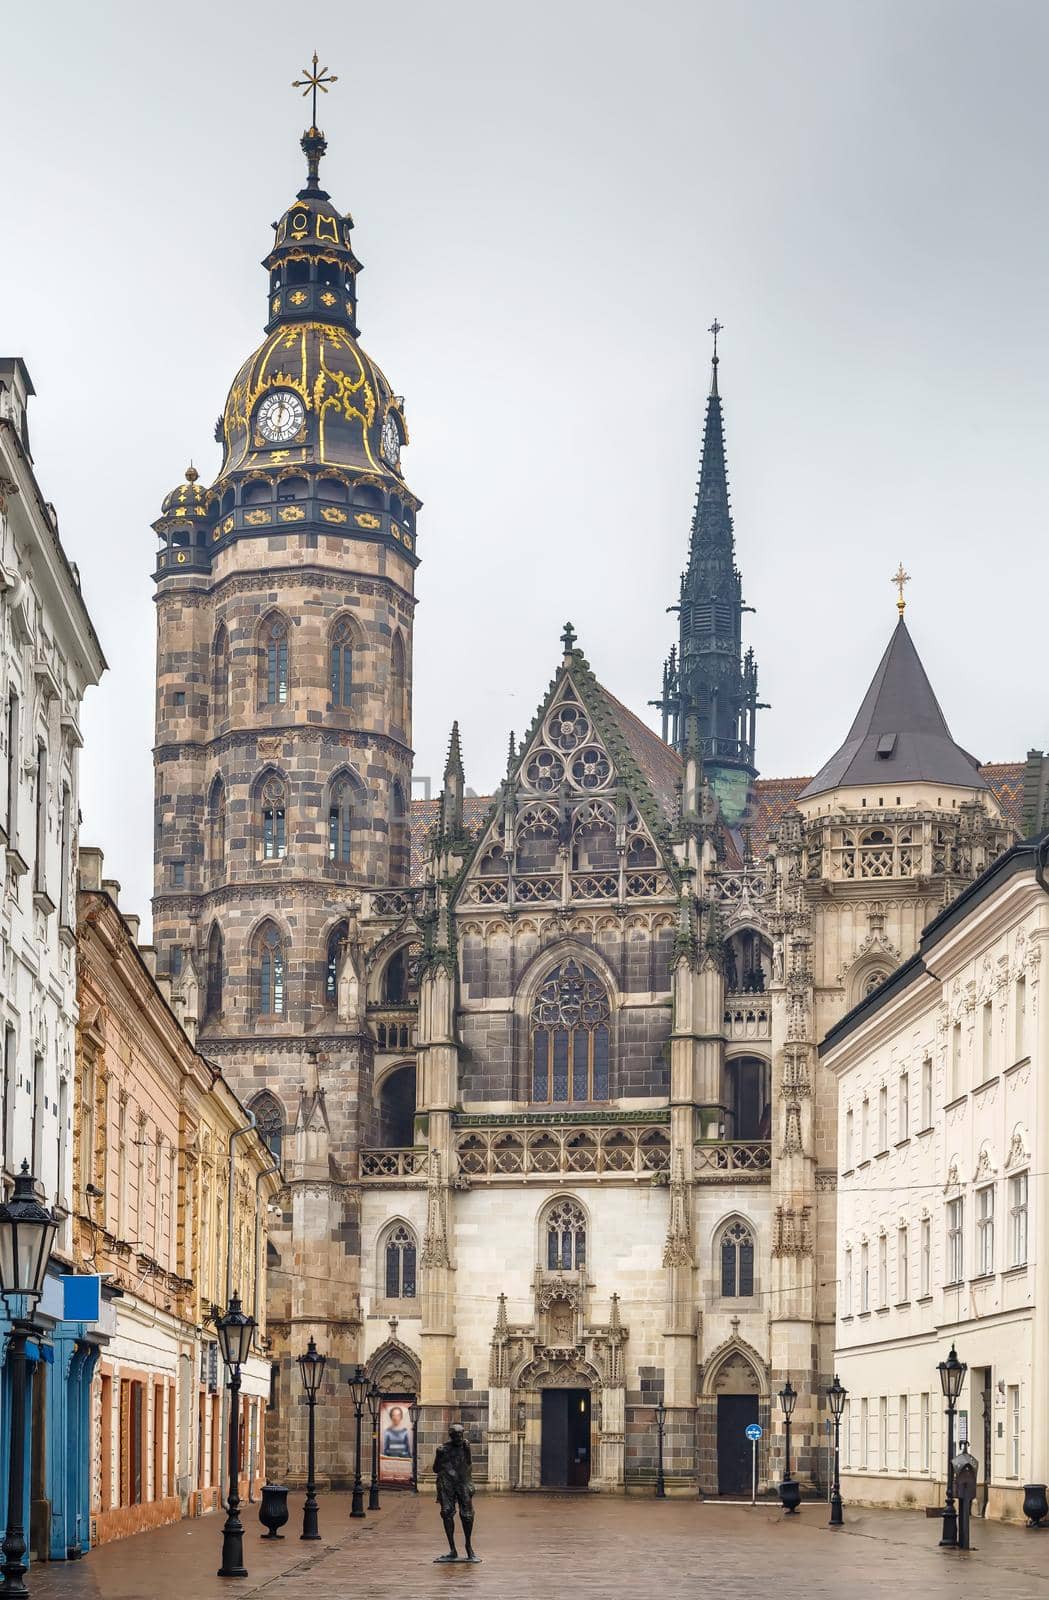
(886,746)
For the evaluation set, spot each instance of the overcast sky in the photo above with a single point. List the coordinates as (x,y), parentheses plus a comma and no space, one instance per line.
(552,203)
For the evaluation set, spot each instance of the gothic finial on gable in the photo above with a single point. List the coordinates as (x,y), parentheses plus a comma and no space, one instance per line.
(568,639)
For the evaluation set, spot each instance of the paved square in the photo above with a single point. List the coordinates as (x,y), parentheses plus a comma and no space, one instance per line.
(539,1546)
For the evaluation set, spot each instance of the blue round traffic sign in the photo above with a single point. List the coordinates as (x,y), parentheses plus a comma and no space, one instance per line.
(753,1431)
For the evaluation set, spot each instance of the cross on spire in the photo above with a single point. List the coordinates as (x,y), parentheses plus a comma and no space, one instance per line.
(715,328)
(312,81)
(899,578)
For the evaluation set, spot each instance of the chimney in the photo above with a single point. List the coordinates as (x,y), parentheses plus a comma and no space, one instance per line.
(133,924)
(111,886)
(148,952)
(89,866)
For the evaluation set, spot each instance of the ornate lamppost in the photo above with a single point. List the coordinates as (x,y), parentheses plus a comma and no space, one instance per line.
(358,1382)
(836,1396)
(952,1376)
(235,1332)
(311,1365)
(27,1235)
(661,1422)
(374,1402)
(789,1489)
(413,1412)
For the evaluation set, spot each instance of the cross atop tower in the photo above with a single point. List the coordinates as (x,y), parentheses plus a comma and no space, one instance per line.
(899,578)
(715,328)
(314,80)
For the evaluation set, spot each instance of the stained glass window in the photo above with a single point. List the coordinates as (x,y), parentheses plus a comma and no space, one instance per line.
(570,1037)
(737,1261)
(565,1237)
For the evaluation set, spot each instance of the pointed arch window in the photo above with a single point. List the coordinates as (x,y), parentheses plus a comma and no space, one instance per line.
(269,1122)
(336,945)
(737,1261)
(398,685)
(570,1037)
(220,672)
(269,968)
(400,1264)
(273,797)
(275,661)
(217,828)
(565,1237)
(341,664)
(340,822)
(214,973)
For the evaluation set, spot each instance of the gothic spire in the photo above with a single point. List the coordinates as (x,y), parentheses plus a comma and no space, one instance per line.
(712,519)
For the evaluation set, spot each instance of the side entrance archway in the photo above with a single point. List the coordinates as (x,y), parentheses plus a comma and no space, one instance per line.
(733,1395)
(565,1439)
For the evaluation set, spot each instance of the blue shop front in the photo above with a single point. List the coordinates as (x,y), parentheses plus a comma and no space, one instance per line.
(75,1318)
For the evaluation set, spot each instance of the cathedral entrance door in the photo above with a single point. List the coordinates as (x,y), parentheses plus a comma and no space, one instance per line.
(565,1450)
(735,1413)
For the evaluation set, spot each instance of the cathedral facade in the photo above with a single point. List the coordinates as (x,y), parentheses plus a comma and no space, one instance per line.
(540,1069)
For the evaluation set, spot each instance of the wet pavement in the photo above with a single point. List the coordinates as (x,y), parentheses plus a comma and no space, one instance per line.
(539,1546)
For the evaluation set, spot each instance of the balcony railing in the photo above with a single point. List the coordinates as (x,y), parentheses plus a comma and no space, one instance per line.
(392,1166)
(748,1161)
(595,1151)
(747,1016)
(393,1026)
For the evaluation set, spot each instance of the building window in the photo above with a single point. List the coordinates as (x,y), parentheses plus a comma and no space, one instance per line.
(865,1119)
(955,1240)
(217,828)
(903,1429)
(1020,1018)
(846,1435)
(1014,1430)
(883,1118)
(341,664)
(927,1093)
(865,1278)
(269,1122)
(985,1230)
(883,1433)
(11,770)
(883,1270)
(275,661)
(40,841)
(570,1037)
(847,1284)
(565,1237)
(902,1266)
(737,1261)
(926,1433)
(66,857)
(864,1430)
(398,686)
(903,1109)
(36,1136)
(1018,1219)
(178,874)
(956,1060)
(400,1265)
(213,986)
(7,1114)
(274,801)
(270,969)
(848,1138)
(925,1262)
(340,821)
(987,1041)
(220,673)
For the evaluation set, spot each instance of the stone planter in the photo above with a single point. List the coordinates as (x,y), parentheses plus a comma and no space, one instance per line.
(1036,1506)
(273,1509)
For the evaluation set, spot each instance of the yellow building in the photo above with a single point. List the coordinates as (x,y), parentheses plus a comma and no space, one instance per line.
(171,1186)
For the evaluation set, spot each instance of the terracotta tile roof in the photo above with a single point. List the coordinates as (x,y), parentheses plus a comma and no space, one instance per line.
(660,763)
(1005,779)
(424,818)
(772,797)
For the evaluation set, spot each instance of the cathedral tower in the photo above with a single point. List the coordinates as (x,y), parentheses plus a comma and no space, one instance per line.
(710,687)
(285,599)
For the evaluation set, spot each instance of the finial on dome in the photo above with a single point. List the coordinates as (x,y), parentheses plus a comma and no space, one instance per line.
(313,141)
(191,473)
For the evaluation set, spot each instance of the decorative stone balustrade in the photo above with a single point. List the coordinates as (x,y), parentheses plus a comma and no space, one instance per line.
(392,1166)
(589,1152)
(748,1016)
(393,1026)
(735,1161)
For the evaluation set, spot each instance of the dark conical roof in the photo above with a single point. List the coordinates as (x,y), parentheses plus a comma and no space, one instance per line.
(900,735)
(712,519)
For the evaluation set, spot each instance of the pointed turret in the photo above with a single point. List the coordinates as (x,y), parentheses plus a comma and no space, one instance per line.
(708,685)
(899,734)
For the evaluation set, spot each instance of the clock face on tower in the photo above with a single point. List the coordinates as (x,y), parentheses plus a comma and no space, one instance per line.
(280,416)
(391,441)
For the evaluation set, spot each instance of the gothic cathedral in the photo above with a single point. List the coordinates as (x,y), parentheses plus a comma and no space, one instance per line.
(539,1070)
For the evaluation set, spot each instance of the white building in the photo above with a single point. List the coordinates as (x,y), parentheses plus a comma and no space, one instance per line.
(49,656)
(943,1134)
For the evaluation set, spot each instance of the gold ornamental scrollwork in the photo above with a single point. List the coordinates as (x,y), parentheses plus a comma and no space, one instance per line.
(367,519)
(291,514)
(333,514)
(255,519)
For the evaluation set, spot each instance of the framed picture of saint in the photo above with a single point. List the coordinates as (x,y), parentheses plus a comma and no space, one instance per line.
(396,1444)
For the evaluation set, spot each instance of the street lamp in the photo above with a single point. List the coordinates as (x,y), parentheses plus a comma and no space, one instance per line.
(358,1382)
(27,1234)
(836,1396)
(235,1333)
(374,1402)
(661,1422)
(311,1365)
(789,1489)
(413,1412)
(952,1376)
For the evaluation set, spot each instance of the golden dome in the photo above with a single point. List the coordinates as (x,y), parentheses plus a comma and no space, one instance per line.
(346,412)
(189,499)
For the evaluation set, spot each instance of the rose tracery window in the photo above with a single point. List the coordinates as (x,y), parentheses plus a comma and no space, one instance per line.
(545,771)
(565,1237)
(570,1037)
(737,1261)
(568,727)
(591,768)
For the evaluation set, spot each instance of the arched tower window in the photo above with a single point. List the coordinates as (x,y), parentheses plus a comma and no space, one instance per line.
(570,1036)
(214,973)
(340,821)
(341,664)
(400,981)
(269,971)
(400,1264)
(269,1122)
(398,685)
(565,1237)
(273,815)
(217,828)
(737,1261)
(273,663)
(399,840)
(220,669)
(336,945)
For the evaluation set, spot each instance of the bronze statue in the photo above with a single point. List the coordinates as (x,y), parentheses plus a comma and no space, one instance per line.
(452,1466)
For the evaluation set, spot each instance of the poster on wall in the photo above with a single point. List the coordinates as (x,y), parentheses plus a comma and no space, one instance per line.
(395,1440)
